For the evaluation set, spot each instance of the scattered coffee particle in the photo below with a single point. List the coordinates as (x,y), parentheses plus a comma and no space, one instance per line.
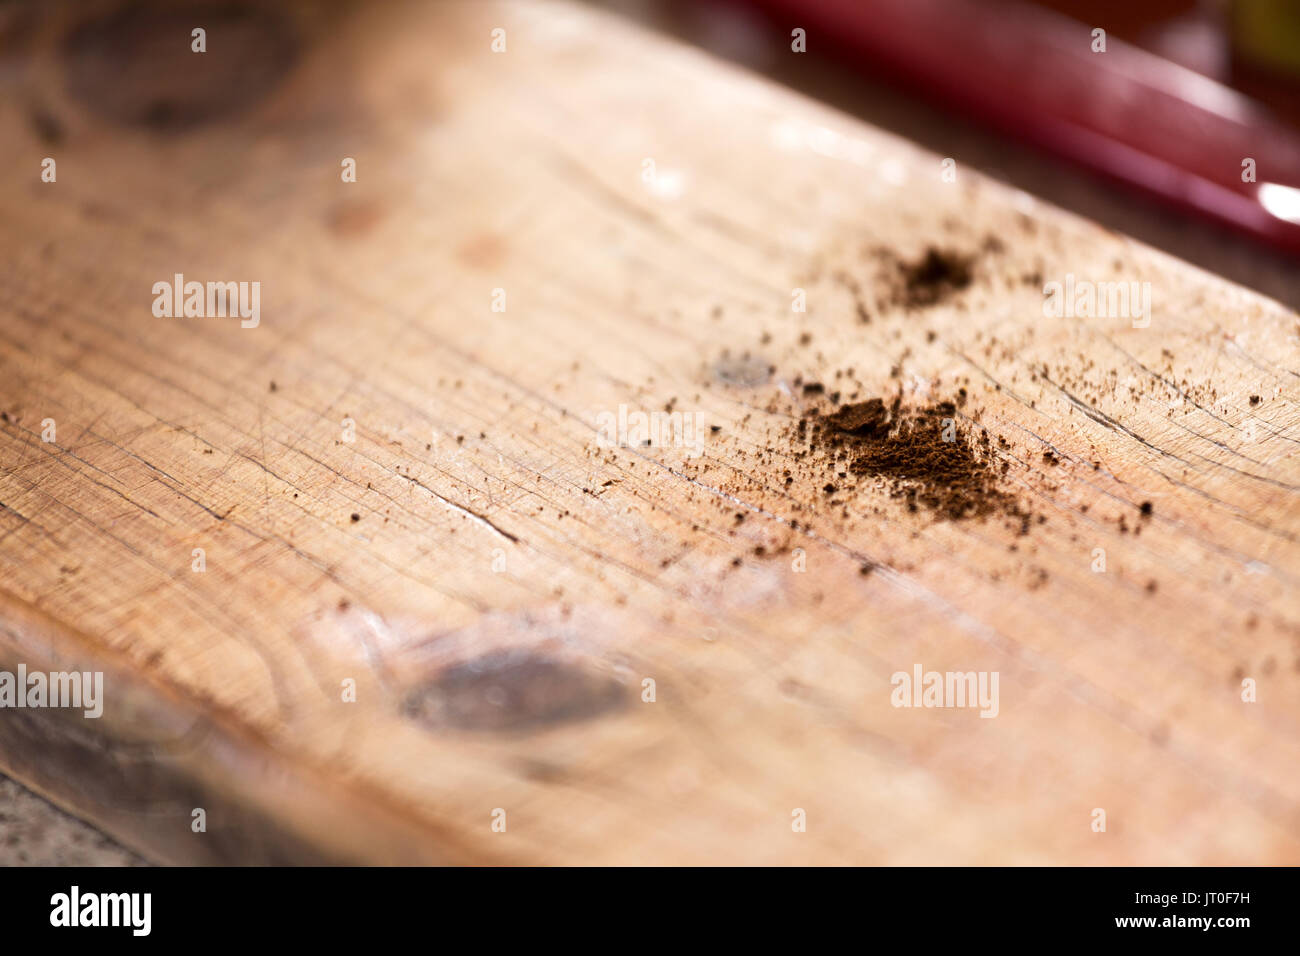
(355,516)
(1254,399)
(1146,509)
(813,388)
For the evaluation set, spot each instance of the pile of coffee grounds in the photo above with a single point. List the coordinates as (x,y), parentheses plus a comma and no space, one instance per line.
(928,458)
(938,274)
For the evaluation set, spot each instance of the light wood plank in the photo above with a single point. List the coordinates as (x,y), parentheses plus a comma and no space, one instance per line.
(523,171)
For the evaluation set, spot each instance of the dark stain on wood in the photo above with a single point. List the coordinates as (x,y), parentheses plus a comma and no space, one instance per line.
(747,371)
(135,65)
(354,218)
(485,251)
(47,125)
(519,690)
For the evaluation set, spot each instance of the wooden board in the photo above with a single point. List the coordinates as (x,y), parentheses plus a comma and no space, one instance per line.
(395,485)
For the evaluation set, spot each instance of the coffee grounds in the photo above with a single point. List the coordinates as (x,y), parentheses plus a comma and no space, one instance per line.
(928,460)
(934,277)
(869,419)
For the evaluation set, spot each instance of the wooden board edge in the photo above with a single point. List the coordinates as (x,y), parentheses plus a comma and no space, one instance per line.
(139,771)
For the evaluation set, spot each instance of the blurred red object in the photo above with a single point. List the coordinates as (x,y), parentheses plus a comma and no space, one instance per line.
(1139,119)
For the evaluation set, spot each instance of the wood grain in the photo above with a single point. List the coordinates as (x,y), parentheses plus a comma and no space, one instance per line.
(508,583)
